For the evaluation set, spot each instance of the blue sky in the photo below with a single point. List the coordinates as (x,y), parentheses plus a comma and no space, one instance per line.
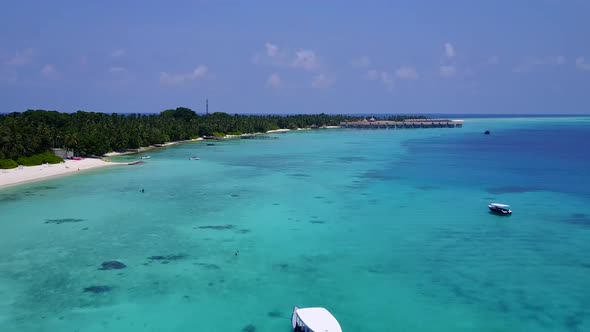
(527,56)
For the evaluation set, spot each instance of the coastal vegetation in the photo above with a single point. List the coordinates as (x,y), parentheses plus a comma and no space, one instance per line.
(38,159)
(26,138)
(25,135)
(8,163)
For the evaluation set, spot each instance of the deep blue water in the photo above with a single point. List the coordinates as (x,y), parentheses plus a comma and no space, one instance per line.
(544,157)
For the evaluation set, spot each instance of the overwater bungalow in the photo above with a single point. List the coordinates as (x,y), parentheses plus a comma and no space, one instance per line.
(408,123)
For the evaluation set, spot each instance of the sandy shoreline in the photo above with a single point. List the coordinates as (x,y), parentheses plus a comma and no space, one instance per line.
(26,174)
(149,148)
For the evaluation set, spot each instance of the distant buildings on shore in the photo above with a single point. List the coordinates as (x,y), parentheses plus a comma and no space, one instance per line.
(407,123)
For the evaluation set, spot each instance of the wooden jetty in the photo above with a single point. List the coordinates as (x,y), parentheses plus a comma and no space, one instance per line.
(408,123)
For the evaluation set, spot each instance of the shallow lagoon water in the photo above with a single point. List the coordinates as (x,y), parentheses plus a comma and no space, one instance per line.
(389,229)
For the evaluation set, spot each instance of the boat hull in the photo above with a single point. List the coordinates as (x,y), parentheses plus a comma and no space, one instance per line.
(500,212)
(294,318)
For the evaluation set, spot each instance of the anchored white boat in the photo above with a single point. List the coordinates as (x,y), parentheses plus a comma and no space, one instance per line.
(501,209)
(314,320)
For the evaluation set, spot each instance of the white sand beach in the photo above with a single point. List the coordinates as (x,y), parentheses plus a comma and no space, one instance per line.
(25,174)
(278,131)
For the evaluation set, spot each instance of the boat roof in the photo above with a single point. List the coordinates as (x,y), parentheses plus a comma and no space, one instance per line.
(319,320)
(500,205)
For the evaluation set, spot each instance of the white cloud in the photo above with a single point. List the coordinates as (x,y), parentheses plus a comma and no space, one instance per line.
(387,79)
(272,50)
(382,76)
(305,59)
(117,70)
(274,55)
(447,71)
(362,62)
(21,58)
(274,81)
(406,73)
(118,53)
(49,71)
(321,81)
(529,63)
(199,73)
(449,50)
(372,75)
(581,64)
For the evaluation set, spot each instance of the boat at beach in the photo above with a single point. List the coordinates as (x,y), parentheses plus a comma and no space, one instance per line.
(146,157)
(136,162)
(500,209)
(314,320)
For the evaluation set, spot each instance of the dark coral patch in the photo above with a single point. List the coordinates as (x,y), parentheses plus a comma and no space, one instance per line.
(300,175)
(112,265)
(319,197)
(283,266)
(10,198)
(351,159)
(168,257)
(98,289)
(275,314)
(235,195)
(427,187)
(218,227)
(62,220)
(573,322)
(249,328)
(209,266)
(378,175)
(243,231)
(578,219)
(315,221)
(44,188)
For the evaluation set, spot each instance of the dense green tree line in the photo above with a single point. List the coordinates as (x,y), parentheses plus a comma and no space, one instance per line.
(36,131)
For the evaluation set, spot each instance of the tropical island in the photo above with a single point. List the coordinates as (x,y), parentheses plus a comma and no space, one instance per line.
(28,138)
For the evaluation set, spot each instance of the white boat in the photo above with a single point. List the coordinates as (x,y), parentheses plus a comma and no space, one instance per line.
(314,320)
(146,157)
(501,209)
(194,158)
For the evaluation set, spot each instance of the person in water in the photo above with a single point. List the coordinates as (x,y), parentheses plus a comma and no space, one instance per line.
(142,190)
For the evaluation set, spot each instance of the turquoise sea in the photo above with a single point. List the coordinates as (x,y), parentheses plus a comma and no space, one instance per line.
(388,229)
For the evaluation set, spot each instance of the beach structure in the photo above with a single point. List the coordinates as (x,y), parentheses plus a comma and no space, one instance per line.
(314,320)
(63,153)
(408,123)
